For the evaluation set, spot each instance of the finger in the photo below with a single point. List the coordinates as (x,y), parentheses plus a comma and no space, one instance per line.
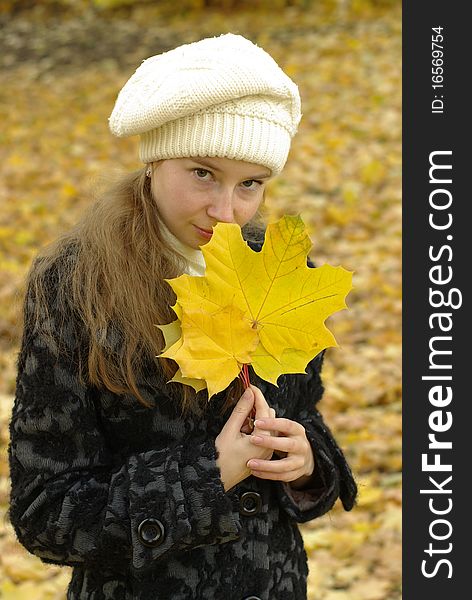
(284,444)
(261,407)
(241,411)
(281,425)
(287,477)
(272,416)
(260,403)
(290,463)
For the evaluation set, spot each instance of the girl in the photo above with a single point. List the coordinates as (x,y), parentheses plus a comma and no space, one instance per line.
(146,488)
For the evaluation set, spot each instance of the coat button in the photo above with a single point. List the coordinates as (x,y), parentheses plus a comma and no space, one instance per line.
(252,598)
(250,503)
(151,532)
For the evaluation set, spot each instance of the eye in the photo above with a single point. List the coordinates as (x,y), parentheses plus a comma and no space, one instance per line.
(201,173)
(251,184)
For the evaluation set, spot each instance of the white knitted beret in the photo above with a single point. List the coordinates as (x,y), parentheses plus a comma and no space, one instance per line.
(221,96)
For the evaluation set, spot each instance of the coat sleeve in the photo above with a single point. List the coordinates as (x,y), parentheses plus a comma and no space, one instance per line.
(332,477)
(72,503)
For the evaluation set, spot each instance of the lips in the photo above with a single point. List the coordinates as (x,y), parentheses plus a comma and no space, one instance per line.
(204,233)
(205,230)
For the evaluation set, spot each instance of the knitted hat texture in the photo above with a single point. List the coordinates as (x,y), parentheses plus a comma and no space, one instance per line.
(222,96)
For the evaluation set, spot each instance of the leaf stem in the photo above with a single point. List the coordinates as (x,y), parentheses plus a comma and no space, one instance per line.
(244,374)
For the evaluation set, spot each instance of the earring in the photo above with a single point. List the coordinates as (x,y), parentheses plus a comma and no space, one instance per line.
(148,172)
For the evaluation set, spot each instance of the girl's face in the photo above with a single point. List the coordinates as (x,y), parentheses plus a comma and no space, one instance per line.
(194,194)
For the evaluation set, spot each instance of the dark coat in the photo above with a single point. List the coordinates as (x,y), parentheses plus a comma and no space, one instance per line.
(132,498)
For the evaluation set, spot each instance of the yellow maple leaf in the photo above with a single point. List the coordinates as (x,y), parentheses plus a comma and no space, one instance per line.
(277,306)
(172,334)
(291,361)
(213,346)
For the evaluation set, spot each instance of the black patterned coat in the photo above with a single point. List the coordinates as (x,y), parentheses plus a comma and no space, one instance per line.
(132,498)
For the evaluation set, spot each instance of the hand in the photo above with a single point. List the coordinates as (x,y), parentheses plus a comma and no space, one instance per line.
(233,445)
(248,426)
(298,460)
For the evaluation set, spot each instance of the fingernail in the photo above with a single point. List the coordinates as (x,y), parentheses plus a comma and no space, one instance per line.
(247,394)
(252,464)
(259,423)
(256,439)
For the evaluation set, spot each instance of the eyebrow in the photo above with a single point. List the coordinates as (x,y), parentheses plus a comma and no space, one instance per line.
(207,163)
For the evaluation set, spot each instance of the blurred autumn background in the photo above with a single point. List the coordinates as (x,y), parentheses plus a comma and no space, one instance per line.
(63,63)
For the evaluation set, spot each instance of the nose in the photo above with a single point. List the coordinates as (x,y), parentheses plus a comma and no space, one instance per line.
(221,206)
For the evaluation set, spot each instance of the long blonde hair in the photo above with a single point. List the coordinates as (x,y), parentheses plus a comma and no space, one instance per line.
(112,266)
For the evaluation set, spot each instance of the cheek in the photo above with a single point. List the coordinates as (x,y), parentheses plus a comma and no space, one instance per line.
(192,203)
(247,211)
(187,210)
(174,200)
